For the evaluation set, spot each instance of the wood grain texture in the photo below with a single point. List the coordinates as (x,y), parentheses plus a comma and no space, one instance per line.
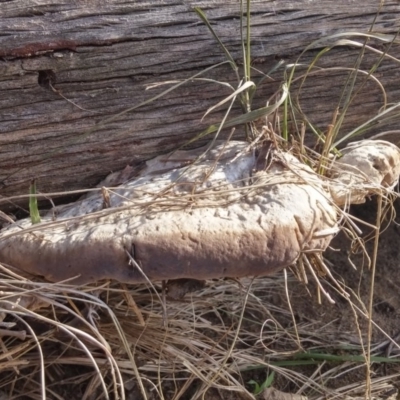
(102,56)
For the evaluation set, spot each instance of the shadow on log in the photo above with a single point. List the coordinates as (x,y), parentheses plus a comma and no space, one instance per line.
(66,67)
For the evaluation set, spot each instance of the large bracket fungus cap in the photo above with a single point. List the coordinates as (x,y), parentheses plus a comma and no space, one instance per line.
(216,218)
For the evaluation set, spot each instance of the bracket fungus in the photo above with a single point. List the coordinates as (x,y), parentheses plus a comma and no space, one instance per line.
(200,214)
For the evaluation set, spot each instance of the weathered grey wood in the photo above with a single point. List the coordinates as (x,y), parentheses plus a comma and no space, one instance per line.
(102,55)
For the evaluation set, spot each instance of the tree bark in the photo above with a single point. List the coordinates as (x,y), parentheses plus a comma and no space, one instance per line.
(67,67)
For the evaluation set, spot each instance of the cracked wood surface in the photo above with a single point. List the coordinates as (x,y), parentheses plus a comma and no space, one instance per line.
(66,66)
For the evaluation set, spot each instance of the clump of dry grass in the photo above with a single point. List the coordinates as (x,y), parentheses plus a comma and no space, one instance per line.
(108,341)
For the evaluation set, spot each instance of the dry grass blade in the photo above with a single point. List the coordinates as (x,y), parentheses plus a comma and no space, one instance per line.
(209,335)
(240,89)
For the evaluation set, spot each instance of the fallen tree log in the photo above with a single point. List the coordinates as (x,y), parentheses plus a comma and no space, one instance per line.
(66,67)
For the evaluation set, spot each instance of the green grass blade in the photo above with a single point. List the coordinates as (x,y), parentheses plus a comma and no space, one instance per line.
(351,94)
(343,357)
(285,119)
(246,102)
(349,91)
(258,389)
(246,51)
(311,358)
(386,38)
(228,55)
(366,125)
(248,48)
(33,206)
